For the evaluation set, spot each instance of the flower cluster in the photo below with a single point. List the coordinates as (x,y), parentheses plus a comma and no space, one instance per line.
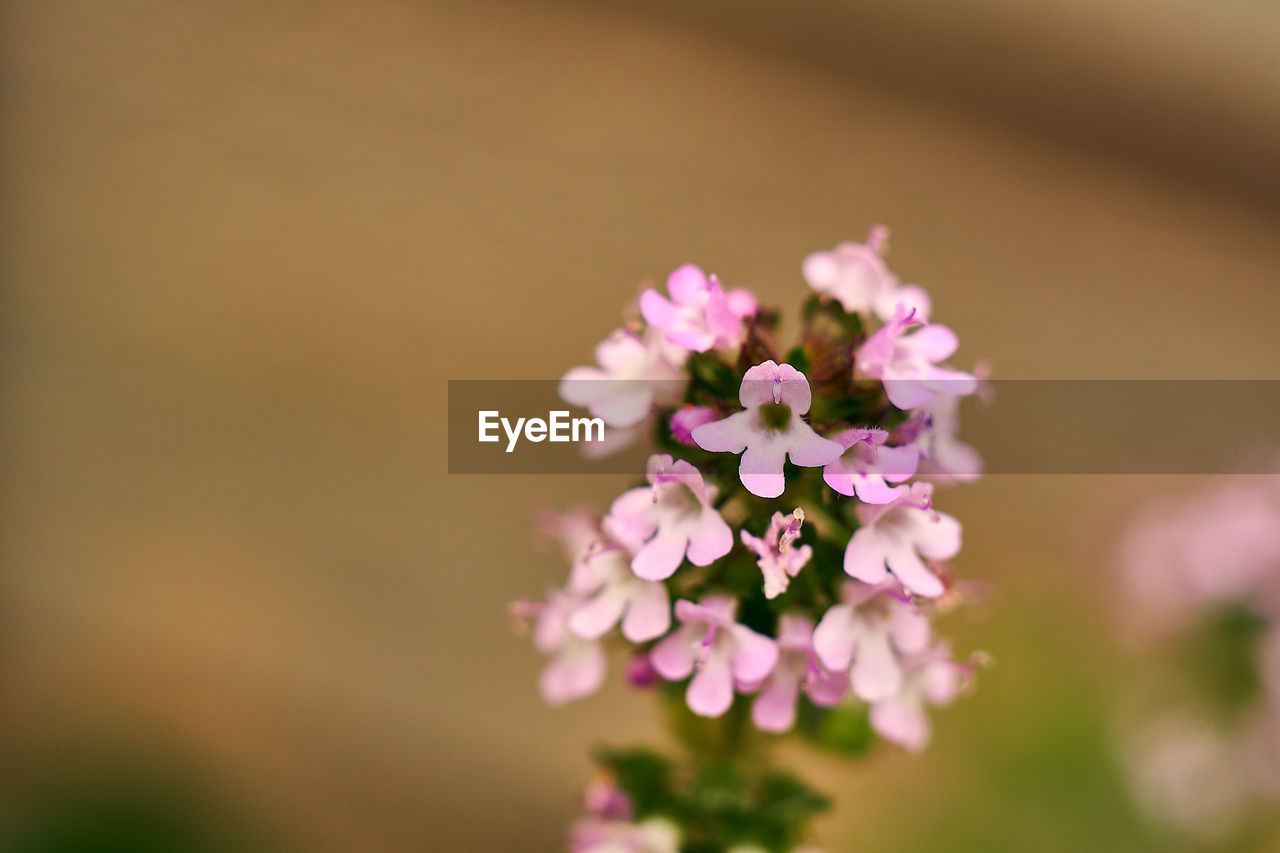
(1203,577)
(784,555)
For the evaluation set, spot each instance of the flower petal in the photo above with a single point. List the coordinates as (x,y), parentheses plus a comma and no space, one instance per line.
(649,613)
(686,283)
(576,672)
(939,538)
(593,618)
(835,637)
(674,657)
(659,558)
(864,557)
(902,721)
(911,571)
(774,710)
(711,691)
(710,539)
(876,673)
(730,435)
(753,657)
(761,468)
(808,449)
(658,310)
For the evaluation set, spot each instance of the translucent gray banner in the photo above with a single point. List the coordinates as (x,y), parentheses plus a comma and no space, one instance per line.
(1016,426)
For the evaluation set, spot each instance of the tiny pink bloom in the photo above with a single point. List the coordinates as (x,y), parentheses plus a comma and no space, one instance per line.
(700,315)
(907,364)
(597,835)
(868,634)
(944,458)
(931,678)
(770,429)
(604,799)
(640,671)
(778,560)
(774,709)
(576,667)
(618,595)
(688,418)
(723,653)
(578,532)
(635,374)
(868,466)
(672,519)
(855,275)
(893,538)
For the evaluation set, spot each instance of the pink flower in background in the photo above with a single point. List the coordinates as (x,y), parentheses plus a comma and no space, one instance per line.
(672,519)
(770,429)
(893,538)
(907,364)
(868,466)
(855,275)
(931,678)
(617,594)
(1222,547)
(688,418)
(597,835)
(634,375)
(604,799)
(778,560)
(576,667)
(774,709)
(723,653)
(700,315)
(869,634)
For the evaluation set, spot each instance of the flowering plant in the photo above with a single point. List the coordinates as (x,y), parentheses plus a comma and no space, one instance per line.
(1203,603)
(778,571)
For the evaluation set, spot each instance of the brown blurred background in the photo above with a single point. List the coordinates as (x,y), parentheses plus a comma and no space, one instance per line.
(245,244)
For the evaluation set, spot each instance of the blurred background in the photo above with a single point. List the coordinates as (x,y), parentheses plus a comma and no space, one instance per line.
(245,244)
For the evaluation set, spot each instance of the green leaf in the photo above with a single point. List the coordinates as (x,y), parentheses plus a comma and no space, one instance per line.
(845,730)
(644,775)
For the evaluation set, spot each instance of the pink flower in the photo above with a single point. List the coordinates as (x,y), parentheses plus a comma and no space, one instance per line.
(700,315)
(640,671)
(770,430)
(724,654)
(774,709)
(893,538)
(596,835)
(604,799)
(617,594)
(907,363)
(777,559)
(577,665)
(1184,557)
(855,275)
(578,532)
(944,457)
(688,418)
(673,519)
(868,466)
(931,678)
(869,634)
(634,375)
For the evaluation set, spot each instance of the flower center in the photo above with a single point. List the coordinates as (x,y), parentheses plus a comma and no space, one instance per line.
(775,416)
